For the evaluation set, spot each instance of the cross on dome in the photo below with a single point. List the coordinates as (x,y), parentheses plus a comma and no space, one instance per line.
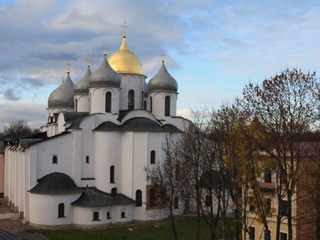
(163,55)
(124,25)
(68,63)
(89,60)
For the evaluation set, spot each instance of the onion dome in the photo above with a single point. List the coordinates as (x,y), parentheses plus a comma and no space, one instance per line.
(62,97)
(105,76)
(82,86)
(163,81)
(124,61)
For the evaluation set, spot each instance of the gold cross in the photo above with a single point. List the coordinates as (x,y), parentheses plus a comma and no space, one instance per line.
(89,60)
(163,55)
(124,25)
(68,63)
(105,50)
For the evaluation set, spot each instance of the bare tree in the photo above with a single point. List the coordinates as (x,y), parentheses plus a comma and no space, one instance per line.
(16,129)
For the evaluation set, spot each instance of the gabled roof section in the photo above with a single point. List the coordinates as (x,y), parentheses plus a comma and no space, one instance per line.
(55,184)
(92,197)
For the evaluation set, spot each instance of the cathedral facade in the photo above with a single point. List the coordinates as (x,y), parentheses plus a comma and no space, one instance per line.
(87,165)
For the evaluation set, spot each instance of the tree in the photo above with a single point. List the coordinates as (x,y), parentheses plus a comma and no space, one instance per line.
(166,179)
(284,106)
(16,129)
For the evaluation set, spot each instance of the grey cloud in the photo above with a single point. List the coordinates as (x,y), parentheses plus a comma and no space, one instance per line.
(57,56)
(10,95)
(33,83)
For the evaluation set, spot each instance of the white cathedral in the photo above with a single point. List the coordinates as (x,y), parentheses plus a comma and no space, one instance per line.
(87,166)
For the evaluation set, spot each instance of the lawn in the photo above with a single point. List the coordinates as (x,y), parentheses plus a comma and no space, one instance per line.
(185,230)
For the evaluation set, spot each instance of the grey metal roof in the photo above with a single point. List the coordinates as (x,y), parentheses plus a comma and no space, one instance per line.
(9,236)
(93,197)
(171,128)
(108,126)
(71,116)
(105,76)
(55,184)
(141,124)
(62,97)
(163,81)
(82,86)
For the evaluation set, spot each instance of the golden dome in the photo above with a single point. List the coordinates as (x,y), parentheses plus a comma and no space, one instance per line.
(124,61)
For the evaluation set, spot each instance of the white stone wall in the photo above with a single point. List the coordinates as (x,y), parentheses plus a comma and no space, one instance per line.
(137,84)
(98,99)
(82,103)
(158,103)
(44,209)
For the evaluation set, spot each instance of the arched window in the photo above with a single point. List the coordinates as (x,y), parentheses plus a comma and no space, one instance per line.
(76,105)
(123,214)
(108,102)
(153,157)
(108,215)
(167,106)
(112,174)
(61,210)
(208,201)
(176,203)
(96,216)
(87,159)
(54,159)
(150,104)
(131,99)
(138,198)
(114,191)
(152,197)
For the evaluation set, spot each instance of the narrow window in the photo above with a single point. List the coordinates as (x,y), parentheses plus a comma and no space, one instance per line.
(176,203)
(283,236)
(108,102)
(252,233)
(87,159)
(267,234)
(108,215)
(131,99)
(123,214)
(76,105)
(114,191)
(152,197)
(96,216)
(177,172)
(112,174)
(208,201)
(251,205)
(150,104)
(268,205)
(167,106)
(153,157)
(284,208)
(267,176)
(144,105)
(55,159)
(138,198)
(61,210)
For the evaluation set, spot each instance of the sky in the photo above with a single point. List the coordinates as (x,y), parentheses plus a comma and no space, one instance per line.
(213,48)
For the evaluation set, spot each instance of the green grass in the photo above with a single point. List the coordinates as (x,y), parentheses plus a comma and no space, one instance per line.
(185,230)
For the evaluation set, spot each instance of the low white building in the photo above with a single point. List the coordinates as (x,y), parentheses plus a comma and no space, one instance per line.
(87,165)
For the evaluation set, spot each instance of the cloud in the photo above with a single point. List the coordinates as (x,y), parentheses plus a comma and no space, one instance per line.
(10,95)
(34,114)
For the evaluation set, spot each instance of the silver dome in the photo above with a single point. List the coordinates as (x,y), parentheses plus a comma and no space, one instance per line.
(62,97)
(82,86)
(163,81)
(105,76)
